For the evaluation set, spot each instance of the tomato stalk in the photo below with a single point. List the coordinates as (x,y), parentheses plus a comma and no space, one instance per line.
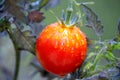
(17,64)
(69,13)
(67,19)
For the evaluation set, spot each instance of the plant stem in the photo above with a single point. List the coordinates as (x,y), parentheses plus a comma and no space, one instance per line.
(69,13)
(17,65)
(17,54)
(97,58)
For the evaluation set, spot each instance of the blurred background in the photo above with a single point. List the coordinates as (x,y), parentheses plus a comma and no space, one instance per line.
(108,12)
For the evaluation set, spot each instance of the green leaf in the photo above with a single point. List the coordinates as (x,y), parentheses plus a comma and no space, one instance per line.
(93,21)
(43,3)
(109,55)
(116,46)
(24,39)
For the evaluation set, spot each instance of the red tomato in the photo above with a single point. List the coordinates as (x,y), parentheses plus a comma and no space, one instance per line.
(61,49)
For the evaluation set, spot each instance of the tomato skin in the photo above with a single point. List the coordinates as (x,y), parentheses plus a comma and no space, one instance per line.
(60,49)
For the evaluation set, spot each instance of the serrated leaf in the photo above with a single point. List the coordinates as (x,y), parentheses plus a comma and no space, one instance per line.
(25,40)
(93,21)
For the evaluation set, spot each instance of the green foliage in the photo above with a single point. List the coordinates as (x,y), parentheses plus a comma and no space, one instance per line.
(24,39)
(93,21)
(101,59)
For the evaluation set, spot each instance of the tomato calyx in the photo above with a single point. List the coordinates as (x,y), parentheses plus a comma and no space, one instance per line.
(67,19)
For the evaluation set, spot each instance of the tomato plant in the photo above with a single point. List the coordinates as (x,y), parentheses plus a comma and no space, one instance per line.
(61,46)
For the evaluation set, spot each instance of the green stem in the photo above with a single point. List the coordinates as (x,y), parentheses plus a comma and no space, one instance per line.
(69,13)
(68,17)
(97,58)
(17,64)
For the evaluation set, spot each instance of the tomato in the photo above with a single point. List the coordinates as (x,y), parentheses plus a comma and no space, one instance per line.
(61,49)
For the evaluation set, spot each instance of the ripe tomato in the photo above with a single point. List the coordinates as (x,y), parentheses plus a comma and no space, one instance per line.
(61,49)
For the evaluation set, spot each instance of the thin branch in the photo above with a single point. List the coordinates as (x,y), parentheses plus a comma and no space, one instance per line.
(17,64)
